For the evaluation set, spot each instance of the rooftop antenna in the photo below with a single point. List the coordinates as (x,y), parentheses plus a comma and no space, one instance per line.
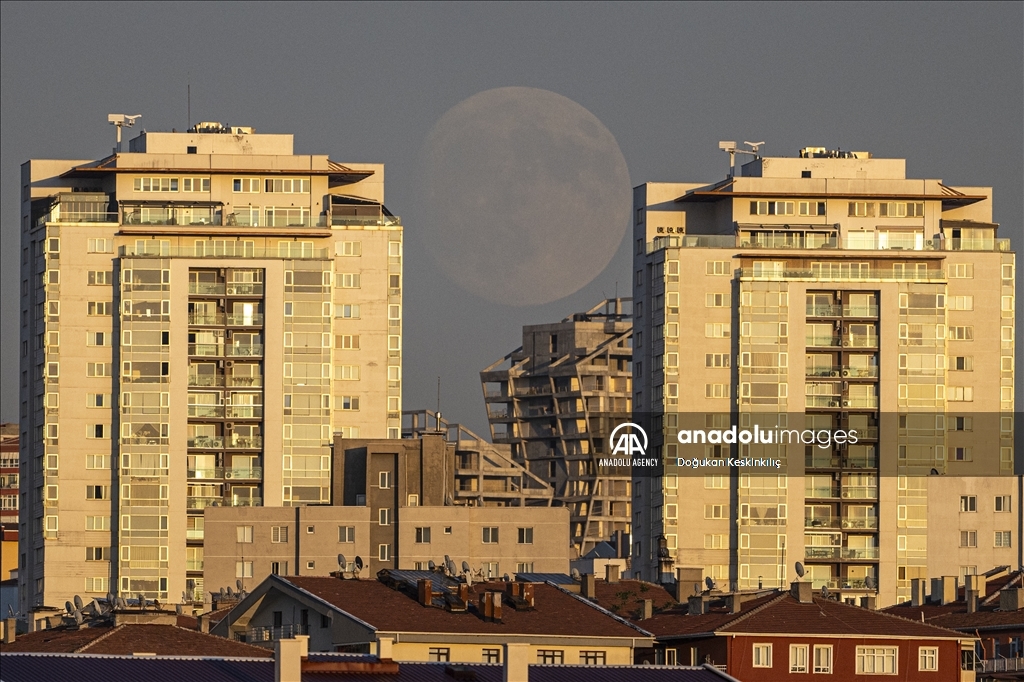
(119,121)
(439,404)
(730,146)
(188,80)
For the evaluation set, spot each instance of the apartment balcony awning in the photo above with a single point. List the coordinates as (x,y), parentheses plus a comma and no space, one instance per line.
(337,174)
(951,198)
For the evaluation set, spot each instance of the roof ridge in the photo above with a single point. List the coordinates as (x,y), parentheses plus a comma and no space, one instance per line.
(758,609)
(890,615)
(597,607)
(102,637)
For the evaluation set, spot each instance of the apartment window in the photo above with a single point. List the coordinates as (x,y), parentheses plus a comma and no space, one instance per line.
(310,565)
(195,184)
(347,311)
(97,492)
(823,659)
(762,656)
(346,372)
(797,658)
(968,503)
(900,209)
(99,246)
(490,535)
(1002,503)
(346,533)
(439,654)
(717,390)
(384,517)
(491,656)
(772,208)
(384,552)
(960,423)
(968,538)
(99,308)
(811,207)
(960,394)
(861,209)
(348,280)
(94,339)
(592,658)
(97,369)
(243,569)
(384,480)
(413,501)
(423,535)
(526,536)
(243,534)
(287,185)
(246,185)
(961,454)
(279,534)
(876,660)
(97,461)
(717,330)
(928,658)
(961,271)
(712,360)
(960,303)
(717,267)
(156,184)
(279,568)
(97,523)
(550,656)
(1002,538)
(447,530)
(961,333)
(347,402)
(347,341)
(97,553)
(96,584)
(100,277)
(716,300)
(524,567)
(714,511)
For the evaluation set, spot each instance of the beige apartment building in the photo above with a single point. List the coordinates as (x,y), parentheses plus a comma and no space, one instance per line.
(200,314)
(399,504)
(825,292)
(555,401)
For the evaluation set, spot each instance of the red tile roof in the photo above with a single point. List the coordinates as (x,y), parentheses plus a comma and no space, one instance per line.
(556,613)
(626,597)
(782,614)
(127,639)
(954,614)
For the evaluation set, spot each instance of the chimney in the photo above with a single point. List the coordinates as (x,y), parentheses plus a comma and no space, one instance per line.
(288,654)
(425,591)
(203,623)
(917,595)
(696,604)
(686,578)
(648,609)
(464,592)
(735,603)
(1011,599)
(10,630)
(936,591)
(384,648)
(868,602)
(803,592)
(972,601)
(589,587)
(611,573)
(490,606)
(528,594)
(949,585)
(517,663)
(977,582)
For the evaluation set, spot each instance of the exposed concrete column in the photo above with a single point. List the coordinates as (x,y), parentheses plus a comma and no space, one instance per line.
(288,659)
(517,663)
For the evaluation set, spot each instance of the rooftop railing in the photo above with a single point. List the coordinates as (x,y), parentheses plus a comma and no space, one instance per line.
(877,243)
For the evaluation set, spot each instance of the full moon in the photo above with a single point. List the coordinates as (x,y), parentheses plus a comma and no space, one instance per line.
(526,195)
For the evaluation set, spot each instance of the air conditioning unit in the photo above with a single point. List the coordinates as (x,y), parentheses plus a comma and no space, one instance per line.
(846,342)
(227,474)
(846,403)
(833,403)
(834,373)
(846,372)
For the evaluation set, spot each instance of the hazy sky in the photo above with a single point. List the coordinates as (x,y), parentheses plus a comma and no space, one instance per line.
(938,84)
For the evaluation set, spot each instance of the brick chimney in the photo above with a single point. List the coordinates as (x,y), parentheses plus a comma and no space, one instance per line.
(949,588)
(1011,599)
(802,591)
(648,609)
(527,594)
(589,586)
(869,602)
(490,606)
(611,573)
(464,592)
(425,591)
(517,663)
(917,594)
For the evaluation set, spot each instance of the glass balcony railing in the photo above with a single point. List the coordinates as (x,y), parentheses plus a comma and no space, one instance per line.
(860,553)
(860,341)
(245,320)
(193,564)
(860,492)
(844,274)
(839,583)
(244,289)
(206,442)
(822,552)
(874,242)
(824,310)
(190,252)
(251,350)
(244,381)
(205,349)
(244,473)
(206,319)
(826,461)
(202,502)
(821,401)
(205,380)
(246,501)
(244,411)
(211,288)
(861,523)
(212,472)
(246,443)
(821,492)
(860,311)
(171,215)
(826,341)
(821,522)
(206,410)
(843,372)
(194,534)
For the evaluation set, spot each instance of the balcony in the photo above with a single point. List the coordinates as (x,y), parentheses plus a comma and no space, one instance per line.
(245,320)
(206,288)
(189,252)
(171,215)
(860,523)
(205,349)
(244,501)
(274,633)
(821,401)
(213,472)
(824,310)
(244,411)
(831,462)
(58,216)
(205,380)
(844,372)
(247,443)
(860,553)
(249,473)
(202,502)
(844,274)
(244,289)
(860,492)
(193,564)
(206,442)
(821,492)
(206,319)
(212,411)
(860,341)
(250,350)
(821,552)
(245,381)
(822,341)
(860,311)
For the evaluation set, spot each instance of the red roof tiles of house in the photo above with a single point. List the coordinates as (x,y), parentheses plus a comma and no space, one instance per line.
(132,638)
(954,614)
(626,597)
(783,614)
(556,611)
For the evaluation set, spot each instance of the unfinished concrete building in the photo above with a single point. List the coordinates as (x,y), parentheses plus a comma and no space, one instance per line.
(555,399)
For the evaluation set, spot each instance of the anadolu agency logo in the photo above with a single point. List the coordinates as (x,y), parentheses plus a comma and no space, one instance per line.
(628,440)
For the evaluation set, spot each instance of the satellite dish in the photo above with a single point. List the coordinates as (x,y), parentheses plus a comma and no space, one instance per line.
(142,601)
(465,567)
(452,569)
(178,610)
(110,598)
(79,618)
(709,582)
(184,597)
(824,591)
(431,565)
(238,584)
(231,592)
(222,593)
(68,607)
(506,578)
(359,563)
(696,588)
(800,570)
(869,582)
(341,561)
(934,472)
(78,602)
(447,560)
(575,574)
(469,577)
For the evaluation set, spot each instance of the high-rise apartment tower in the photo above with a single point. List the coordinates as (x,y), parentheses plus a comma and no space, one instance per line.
(199,316)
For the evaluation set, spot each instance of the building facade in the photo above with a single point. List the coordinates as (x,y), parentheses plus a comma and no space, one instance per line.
(554,400)
(898,296)
(199,316)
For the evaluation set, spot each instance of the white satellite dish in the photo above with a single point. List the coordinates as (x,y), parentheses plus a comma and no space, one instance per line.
(575,573)
(341,562)
(178,610)
(78,602)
